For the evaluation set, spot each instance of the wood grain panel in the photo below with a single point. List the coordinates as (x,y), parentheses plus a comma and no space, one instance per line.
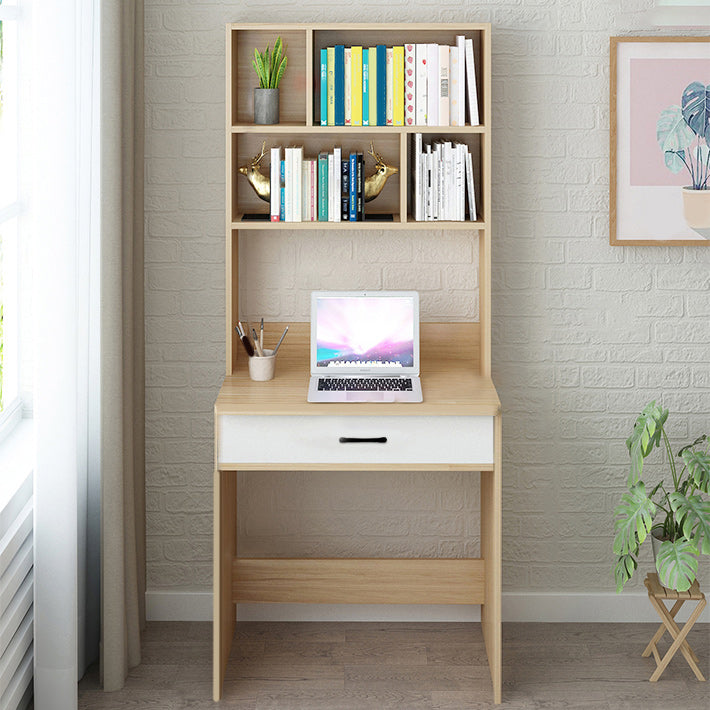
(358,581)
(491,534)
(225,547)
(449,371)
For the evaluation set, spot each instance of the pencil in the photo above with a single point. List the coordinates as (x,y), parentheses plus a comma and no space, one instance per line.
(283,335)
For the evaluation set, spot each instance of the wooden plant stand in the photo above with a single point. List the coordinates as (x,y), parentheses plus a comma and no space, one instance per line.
(656,594)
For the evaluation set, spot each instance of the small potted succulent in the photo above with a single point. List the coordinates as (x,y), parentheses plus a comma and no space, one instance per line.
(269,68)
(682,529)
(683,134)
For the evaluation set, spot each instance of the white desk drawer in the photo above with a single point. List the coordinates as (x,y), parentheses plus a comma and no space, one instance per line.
(305,439)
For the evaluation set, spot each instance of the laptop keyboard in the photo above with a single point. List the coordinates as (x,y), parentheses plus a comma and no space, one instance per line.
(365,384)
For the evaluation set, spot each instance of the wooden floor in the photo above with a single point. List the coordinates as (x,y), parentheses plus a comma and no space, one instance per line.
(363,666)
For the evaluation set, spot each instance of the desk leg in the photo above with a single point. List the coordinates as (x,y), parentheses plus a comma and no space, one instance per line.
(491,532)
(224,614)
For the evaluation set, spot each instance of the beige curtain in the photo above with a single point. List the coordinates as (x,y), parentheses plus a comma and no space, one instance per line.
(122,341)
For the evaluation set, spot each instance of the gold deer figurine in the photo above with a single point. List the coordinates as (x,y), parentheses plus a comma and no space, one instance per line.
(262,183)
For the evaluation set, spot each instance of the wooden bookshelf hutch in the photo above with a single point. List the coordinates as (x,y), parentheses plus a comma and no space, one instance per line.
(456,384)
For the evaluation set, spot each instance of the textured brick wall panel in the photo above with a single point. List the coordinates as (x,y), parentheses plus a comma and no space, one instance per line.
(584,334)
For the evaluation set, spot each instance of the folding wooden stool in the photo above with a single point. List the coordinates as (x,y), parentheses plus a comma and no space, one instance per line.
(656,594)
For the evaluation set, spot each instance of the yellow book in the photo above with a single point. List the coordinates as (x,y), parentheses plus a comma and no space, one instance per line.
(372,55)
(356,86)
(398,86)
(331,86)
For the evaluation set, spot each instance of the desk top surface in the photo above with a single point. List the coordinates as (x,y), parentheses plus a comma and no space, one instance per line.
(451,382)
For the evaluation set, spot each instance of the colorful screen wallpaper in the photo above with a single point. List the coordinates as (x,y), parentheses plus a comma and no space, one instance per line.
(364,331)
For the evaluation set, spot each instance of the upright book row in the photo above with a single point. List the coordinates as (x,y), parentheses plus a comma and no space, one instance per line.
(329,188)
(443,181)
(405,85)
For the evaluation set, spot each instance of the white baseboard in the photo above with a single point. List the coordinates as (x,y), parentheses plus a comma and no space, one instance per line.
(517,606)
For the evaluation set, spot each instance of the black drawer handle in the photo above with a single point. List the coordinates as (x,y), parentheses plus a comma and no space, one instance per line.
(363,440)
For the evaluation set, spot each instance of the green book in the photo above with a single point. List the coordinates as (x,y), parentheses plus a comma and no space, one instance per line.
(323,187)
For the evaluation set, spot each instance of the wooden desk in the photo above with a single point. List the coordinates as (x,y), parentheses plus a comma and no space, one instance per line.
(454,394)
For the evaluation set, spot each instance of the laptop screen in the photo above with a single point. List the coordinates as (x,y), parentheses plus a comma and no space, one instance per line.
(365,331)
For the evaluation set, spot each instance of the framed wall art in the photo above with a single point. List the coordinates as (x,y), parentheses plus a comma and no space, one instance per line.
(659,156)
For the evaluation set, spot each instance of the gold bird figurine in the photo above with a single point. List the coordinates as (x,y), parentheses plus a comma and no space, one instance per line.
(262,184)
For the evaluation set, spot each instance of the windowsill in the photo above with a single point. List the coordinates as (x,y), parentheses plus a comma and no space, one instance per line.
(15,460)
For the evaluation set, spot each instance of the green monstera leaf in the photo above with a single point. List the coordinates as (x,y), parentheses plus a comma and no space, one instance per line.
(634,518)
(645,436)
(675,160)
(698,463)
(673,134)
(625,567)
(677,564)
(695,108)
(694,513)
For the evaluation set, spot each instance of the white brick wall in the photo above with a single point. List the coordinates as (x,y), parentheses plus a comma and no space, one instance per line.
(584,334)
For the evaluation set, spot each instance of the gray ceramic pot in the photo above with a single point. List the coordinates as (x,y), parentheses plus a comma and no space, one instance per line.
(266,106)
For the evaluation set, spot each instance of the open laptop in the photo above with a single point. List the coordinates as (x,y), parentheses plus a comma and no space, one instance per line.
(365,347)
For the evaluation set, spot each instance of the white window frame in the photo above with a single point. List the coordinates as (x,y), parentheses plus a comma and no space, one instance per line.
(11,414)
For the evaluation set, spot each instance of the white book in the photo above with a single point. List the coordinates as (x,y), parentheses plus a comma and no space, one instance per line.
(275,185)
(461,80)
(470,187)
(306,192)
(410,91)
(432,63)
(389,72)
(420,84)
(436,182)
(331,210)
(460,182)
(429,184)
(298,183)
(417,177)
(448,180)
(471,84)
(288,185)
(348,88)
(443,85)
(337,175)
(454,113)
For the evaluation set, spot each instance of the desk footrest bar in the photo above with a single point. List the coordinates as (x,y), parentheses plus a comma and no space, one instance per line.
(358,581)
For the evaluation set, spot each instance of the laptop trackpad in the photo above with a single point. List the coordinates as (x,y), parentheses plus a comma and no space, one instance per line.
(369,397)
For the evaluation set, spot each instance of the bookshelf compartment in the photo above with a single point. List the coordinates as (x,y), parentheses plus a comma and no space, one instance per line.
(366,36)
(247,145)
(292,94)
(474,141)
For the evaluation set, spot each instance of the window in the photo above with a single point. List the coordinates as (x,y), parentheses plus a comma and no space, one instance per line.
(9,215)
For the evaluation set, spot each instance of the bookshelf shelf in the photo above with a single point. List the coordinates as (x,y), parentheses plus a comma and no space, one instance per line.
(291,128)
(467,356)
(368,225)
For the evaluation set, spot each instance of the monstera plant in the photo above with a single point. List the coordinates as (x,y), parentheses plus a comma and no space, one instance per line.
(683,133)
(677,512)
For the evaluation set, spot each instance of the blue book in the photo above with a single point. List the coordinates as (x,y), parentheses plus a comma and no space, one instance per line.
(352,212)
(365,87)
(324,87)
(323,187)
(282,205)
(381,85)
(339,90)
(344,190)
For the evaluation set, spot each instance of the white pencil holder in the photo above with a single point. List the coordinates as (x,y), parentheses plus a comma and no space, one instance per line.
(262,369)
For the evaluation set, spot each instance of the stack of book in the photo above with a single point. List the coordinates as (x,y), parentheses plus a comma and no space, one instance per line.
(443,181)
(405,85)
(329,188)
